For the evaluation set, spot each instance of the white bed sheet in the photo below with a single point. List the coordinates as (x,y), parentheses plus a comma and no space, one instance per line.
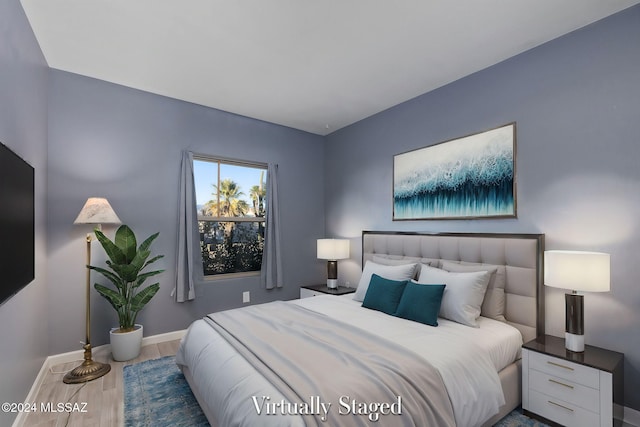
(471,377)
(502,341)
(226,381)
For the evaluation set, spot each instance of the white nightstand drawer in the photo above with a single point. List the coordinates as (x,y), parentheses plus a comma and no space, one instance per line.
(562,412)
(568,391)
(574,372)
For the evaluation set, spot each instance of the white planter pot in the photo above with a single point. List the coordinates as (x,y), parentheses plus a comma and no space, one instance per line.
(126,345)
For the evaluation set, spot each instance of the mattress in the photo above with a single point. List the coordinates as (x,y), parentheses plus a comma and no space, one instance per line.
(467,359)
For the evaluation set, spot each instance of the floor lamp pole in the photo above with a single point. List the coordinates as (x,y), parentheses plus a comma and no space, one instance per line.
(87,346)
(90,369)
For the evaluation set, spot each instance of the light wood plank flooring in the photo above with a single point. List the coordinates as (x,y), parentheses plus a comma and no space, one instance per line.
(104,396)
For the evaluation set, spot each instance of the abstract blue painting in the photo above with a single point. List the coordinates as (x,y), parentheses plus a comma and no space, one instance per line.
(468,177)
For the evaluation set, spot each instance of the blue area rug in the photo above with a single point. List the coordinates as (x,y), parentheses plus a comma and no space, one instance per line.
(157,395)
(515,419)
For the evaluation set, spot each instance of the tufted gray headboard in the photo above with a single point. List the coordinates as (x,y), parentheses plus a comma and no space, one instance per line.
(521,254)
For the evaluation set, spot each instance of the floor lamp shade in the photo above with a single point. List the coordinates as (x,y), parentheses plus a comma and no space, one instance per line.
(332,250)
(97,210)
(577,271)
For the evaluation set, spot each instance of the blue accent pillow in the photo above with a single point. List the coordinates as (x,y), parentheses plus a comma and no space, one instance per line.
(421,303)
(383,294)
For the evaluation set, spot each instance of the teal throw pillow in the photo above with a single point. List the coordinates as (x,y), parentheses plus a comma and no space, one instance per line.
(420,303)
(383,294)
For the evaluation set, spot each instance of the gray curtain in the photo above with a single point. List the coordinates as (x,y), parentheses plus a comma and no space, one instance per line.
(271,273)
(187,233)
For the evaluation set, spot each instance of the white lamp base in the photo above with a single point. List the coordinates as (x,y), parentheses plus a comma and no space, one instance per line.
(332,283)
(574,342)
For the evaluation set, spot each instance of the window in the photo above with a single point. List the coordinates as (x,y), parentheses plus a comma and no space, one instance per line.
(230,199)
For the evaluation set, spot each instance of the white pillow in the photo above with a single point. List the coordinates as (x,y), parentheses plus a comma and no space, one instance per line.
(463,293)
(391,272)
(494,302)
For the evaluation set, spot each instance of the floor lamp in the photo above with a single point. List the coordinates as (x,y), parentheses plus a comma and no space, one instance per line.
(95,211)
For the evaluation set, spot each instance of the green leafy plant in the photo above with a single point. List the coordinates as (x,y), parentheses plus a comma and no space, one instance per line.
(126,262)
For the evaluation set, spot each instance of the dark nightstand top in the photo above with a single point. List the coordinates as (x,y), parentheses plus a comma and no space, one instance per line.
(341,290)
(595,357)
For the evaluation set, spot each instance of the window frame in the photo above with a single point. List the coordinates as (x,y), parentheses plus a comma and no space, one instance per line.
(233,162)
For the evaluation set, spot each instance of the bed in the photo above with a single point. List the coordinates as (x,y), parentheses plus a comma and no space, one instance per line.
(328,360)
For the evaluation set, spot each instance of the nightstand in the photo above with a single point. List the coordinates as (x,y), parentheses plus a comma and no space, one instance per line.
(315,290)
(573,389)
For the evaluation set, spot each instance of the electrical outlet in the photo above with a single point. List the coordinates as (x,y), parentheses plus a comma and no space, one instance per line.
(246,297)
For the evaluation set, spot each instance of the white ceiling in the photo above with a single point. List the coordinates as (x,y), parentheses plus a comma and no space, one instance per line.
(314,65)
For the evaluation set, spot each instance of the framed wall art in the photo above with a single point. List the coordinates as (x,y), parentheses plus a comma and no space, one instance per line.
(468,177)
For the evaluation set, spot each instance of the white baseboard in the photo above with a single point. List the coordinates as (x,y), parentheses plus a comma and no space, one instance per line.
(631,416)
(169,336)
(78,355)
(106,349)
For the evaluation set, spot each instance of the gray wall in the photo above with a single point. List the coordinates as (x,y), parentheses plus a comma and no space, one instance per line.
(123,144)
(576,101)
(23,128)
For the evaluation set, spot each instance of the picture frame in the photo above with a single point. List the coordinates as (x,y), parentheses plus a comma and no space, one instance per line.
(464,178)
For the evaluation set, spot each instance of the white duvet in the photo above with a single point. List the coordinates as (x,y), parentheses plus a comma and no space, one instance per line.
(468,360)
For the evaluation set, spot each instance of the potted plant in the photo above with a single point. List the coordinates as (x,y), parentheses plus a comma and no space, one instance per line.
(127,296)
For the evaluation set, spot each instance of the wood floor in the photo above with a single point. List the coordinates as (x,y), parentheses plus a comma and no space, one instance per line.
(104,396)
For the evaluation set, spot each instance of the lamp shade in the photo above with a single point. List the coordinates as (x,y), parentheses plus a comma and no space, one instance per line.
(578,271)
(333,249)
(97,210)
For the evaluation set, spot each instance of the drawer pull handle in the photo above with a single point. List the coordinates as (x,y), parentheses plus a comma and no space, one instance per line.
(562,384)
(560,406)
(560,366)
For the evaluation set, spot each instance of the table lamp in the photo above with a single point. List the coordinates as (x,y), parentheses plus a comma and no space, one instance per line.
(332,250)
(577,271)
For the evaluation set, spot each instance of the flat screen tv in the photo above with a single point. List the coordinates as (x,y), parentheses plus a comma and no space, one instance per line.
(17,264)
